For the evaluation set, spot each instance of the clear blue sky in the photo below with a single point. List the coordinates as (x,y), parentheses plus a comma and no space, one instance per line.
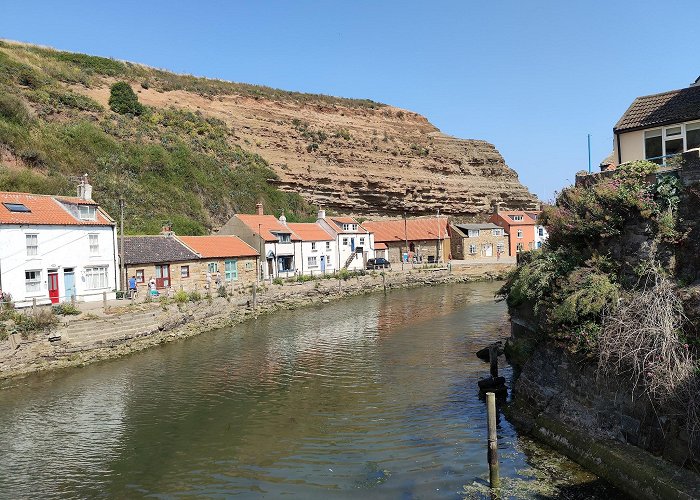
(532,77)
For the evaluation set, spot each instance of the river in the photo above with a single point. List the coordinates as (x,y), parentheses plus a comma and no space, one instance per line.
(371,396)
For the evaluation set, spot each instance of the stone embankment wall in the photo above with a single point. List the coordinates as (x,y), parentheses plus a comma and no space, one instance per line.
(600,422)
(137,326)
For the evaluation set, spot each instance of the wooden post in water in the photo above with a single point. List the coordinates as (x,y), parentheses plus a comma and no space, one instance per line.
(492,440)
(255,298)
(493,360)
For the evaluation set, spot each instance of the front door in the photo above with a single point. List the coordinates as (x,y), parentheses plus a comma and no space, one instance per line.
(163,276)
(488,250)
(323,263)
(352,244)
(69,283)
(53,287)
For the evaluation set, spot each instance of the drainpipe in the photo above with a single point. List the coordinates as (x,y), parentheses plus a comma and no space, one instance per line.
(301,251)
(619,149)
(114,252)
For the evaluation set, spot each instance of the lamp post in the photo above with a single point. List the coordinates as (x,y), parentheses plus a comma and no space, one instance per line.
(405,237)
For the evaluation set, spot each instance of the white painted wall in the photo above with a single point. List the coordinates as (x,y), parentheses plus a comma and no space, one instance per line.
(327,249)
(632,144)
(59,248)
(540,238)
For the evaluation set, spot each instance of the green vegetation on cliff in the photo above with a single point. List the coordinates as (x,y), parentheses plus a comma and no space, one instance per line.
(169,165)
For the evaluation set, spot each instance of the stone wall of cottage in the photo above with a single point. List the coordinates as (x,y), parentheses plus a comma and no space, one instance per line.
(460,245)
(198,269)
(425,248)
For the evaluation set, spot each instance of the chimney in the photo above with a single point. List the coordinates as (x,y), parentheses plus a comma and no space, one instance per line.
(259,206)
(283,219)
(167,229)
(496,206)
(85,189)
(321,213)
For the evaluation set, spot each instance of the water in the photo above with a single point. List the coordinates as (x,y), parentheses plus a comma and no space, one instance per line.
(373,396)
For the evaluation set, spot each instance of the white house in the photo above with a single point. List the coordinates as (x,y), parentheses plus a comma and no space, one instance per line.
(354,243)
(541,234)
(53,248)
(657,127)
(318,249)
(277,244)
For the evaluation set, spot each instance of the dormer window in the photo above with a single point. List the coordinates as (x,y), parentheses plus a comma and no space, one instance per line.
(346,227)
(516,217)
(284,237)
(87,212)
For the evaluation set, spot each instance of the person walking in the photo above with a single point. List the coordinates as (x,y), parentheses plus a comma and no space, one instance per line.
(132,287)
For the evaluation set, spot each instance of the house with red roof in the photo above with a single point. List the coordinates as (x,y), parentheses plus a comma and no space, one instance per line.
(279,247)
(318,248)
(55,248)
(225,257)
(523,228)
(354,242)
(424,239)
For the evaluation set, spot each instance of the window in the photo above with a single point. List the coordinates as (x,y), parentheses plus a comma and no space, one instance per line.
(519,247)
(472,249)
(362,241)
(16,207)
(249,265)
(520,233)
(516,217)
(539,244)
(231,270)
(313,261)
(94,244)
(346,227)
(32,244)
(313,246)
(87,212)
(349,227)
(285,264)
(345,242)
(184,271)
(328,246)
(496,232)
(500,248)
(284,237)
(213,267)
(473,233)
(32,281)
(95,277)
(669,141)
(139,276)
(540,231)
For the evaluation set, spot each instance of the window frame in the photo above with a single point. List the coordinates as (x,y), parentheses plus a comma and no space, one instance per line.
(519,233)
(665,136)
(313,246)
(345,241)
(28,236)
(212,267)
(472,249)
(140,275)
(91,212)
(184,271)
(94,248)
(328,246)
(231,270)
(96,273)
(312,261)
(516,218)
(35,281)
(496,232)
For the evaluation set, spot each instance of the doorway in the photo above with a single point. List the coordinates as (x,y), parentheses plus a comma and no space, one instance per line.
(488,250)
(163,276)
(53,287)
(69,282)
(323,263)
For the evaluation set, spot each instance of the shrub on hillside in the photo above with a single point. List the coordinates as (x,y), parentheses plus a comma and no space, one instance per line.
(12,109)
(123,100)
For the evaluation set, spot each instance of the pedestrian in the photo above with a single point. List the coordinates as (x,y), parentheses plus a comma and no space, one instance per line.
(208,285)
(132,287)
(152,286)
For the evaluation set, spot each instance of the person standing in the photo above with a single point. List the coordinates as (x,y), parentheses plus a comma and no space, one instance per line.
(132,287)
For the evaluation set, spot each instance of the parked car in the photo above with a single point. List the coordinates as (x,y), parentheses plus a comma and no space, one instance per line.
(378,263)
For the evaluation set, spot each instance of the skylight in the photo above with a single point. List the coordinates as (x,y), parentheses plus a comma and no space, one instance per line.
(16,207)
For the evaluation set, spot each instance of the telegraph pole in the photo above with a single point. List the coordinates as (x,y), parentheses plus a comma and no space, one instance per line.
(122,268)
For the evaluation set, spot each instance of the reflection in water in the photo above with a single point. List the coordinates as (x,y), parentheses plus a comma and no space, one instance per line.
(375,393)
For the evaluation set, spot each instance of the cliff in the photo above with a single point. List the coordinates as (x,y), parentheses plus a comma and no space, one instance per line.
(349,155)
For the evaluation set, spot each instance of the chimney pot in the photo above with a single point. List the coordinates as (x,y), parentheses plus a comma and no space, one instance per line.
(321,213)
(85,189)
(259,207)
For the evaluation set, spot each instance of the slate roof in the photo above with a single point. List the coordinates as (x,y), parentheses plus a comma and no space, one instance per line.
(310,231)
(49,210)
(219,246)
(485,226)
(158,249)
(661,109)
(266,224)
(414,230)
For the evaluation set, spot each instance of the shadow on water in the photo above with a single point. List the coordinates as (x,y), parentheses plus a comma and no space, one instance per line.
(371,396)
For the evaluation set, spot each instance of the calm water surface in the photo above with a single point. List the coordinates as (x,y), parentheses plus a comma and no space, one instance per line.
(373,396)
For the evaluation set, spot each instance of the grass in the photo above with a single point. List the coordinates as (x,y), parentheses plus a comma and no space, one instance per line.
(169,165)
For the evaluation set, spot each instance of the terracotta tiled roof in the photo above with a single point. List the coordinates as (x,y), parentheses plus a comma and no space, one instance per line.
(310,231)
(49,210)
(380,246)
(219,246)
(158,249)
(529,218)
(415,229)
(337,223)
(661,109)
(266,224)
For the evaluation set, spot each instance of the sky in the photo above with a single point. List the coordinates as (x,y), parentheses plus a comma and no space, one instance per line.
(533,77)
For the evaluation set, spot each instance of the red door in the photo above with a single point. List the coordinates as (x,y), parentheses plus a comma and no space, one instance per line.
(53,287)
(163,276)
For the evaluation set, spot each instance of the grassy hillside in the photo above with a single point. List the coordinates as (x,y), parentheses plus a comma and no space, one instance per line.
(168,164)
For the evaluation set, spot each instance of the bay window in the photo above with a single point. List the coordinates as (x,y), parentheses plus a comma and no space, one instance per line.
(669,141)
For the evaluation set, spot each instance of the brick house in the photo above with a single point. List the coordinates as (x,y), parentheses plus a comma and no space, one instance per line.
(163,257)
(425,239)
(478,241)
(521,227)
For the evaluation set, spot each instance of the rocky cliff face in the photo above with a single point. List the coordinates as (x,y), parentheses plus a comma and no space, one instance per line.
(361,160)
